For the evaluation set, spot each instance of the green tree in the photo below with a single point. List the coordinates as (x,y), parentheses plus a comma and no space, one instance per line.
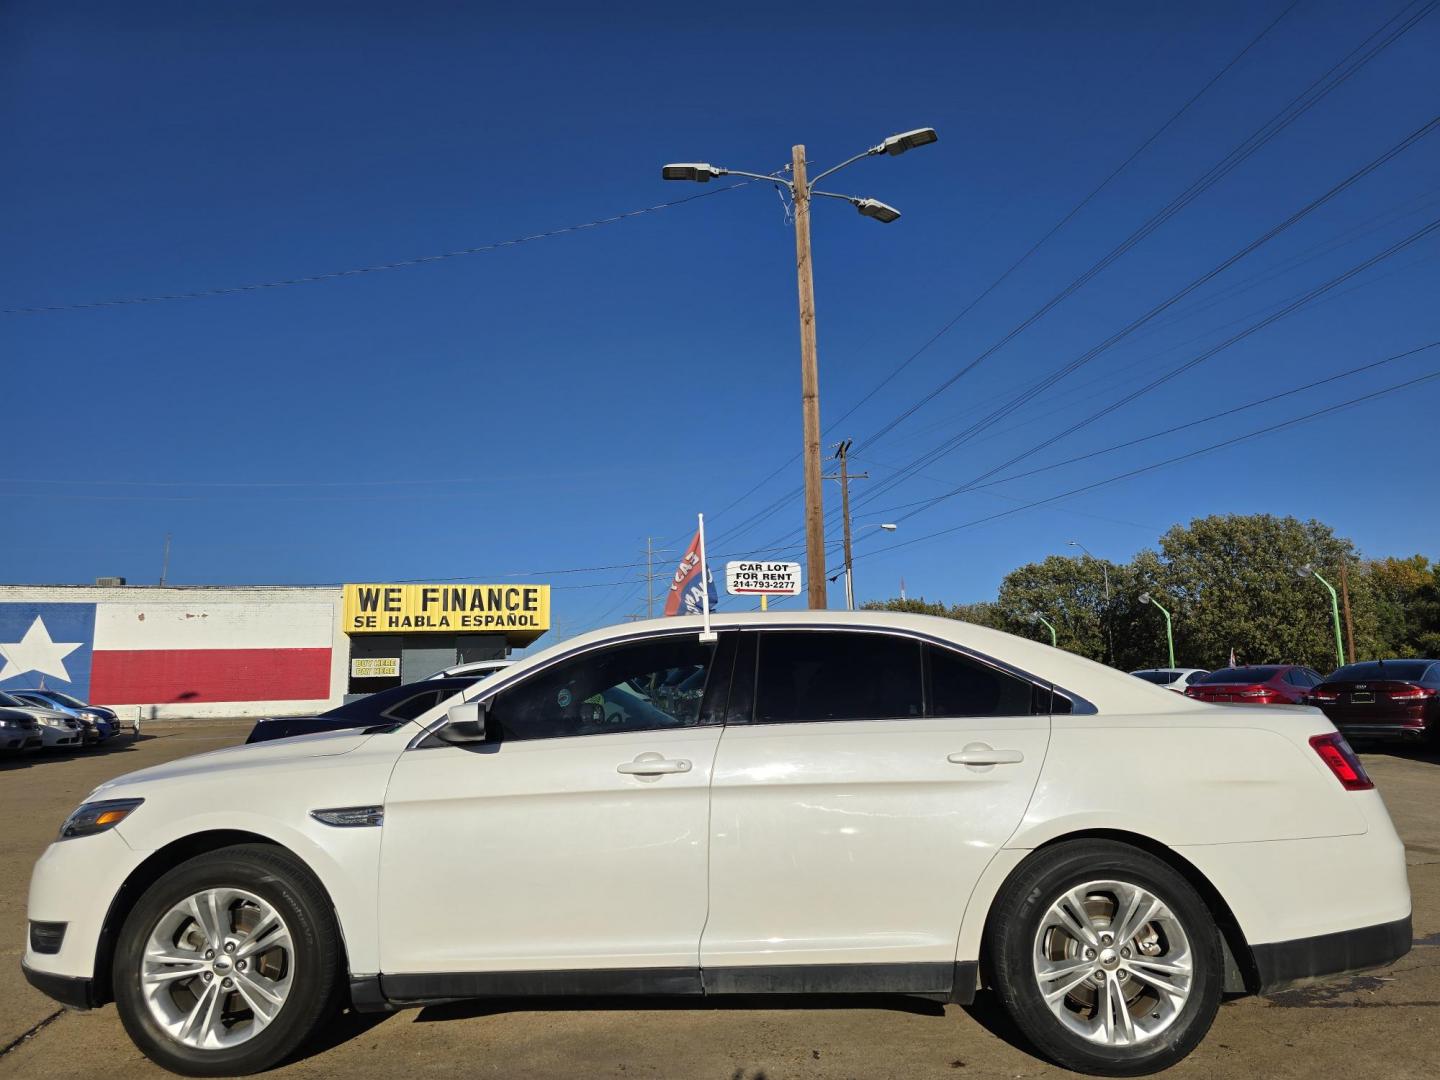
(1071,594)
(1231,581)
(1405,595)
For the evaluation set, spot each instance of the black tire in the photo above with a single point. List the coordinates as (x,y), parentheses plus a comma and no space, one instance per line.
(1017,918)
(283,881)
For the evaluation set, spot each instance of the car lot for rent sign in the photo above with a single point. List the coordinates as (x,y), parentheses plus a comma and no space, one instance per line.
(762,578)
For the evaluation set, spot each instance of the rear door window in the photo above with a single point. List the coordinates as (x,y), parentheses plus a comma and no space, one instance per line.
(812,675)
(961,686)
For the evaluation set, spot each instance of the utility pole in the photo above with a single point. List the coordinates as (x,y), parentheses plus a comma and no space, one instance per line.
(165,561)
(649,578)
(800,188)
(650,552)
(842,455)
(1345,601)
(809,384)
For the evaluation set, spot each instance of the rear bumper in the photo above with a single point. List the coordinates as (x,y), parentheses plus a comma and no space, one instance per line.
(66,989)
(1402,731)
(1283,964)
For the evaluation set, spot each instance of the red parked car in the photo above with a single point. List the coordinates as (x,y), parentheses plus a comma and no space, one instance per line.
(1383,699)
(1261,684)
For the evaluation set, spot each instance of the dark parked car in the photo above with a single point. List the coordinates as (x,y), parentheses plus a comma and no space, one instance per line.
(1259,684)
(1383,699)
(395,705)
(18,731)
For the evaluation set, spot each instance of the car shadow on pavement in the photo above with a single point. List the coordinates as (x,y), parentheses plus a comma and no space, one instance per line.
(341,1029)
(461,1010)
(988,1011)
(120,744)
(1423,752)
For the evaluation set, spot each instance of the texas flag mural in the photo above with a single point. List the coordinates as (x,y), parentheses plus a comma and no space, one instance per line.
(139,653)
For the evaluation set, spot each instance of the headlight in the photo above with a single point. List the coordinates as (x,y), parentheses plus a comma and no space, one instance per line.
(52,722)
(97,817)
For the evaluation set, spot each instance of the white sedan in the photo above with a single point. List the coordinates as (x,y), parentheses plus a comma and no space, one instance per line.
(1177,679)
(814,802)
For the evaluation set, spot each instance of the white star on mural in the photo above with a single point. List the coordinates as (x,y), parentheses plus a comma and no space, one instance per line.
(36,652)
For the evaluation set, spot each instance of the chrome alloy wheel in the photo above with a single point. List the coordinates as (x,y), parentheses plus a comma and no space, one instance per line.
(217,968)
(1113,963)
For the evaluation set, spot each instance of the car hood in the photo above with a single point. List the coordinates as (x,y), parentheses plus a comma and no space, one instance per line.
(38,713)
(279,754)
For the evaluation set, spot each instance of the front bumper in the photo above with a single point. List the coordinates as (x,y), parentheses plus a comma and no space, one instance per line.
(68,990)
(1287,963)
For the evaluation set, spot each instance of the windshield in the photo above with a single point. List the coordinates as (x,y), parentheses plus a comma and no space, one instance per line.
(66,699)
(1405,670)
(1263,673)
(1161,678)
(12,702)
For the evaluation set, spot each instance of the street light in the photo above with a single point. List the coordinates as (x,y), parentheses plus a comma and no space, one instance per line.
(1035,618)
(908,140)
(1146,598)
(1305,573)
(1105,573)
(801,189)
(873,208)
(849,572)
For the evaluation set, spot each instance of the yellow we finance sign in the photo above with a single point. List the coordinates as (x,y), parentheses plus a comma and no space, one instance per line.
(391,609)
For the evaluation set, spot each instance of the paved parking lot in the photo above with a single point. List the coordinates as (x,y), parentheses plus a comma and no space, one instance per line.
(1380,1025)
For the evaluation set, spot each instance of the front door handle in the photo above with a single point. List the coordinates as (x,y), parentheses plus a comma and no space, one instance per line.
(980,754)
(653,764)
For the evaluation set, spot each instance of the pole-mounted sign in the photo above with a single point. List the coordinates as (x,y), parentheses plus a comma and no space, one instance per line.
(763,579)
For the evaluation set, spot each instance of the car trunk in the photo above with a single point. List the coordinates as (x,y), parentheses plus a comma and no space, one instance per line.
(1250,693)
(1383,702)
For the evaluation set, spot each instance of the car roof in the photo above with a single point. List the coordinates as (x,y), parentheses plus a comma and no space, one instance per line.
(1109,689)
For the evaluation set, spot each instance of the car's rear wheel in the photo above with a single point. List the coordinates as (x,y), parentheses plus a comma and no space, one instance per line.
(1106,958)
(228,963)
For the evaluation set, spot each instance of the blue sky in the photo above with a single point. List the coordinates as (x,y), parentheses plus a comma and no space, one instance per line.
(550,405)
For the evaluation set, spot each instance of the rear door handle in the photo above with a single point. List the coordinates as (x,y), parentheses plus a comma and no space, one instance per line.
(653,764)
(985,755)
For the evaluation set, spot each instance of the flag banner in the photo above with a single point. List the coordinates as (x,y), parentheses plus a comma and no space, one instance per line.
(685,597)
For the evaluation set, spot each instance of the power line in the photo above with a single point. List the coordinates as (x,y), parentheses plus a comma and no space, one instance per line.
(1298,106)
(1268,399)
(1175,116)
(401,264)
(1268,430)
(1037,388)
(1285,311)
(1064,220)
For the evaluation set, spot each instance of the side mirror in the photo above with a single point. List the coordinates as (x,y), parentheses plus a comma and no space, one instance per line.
(465,723)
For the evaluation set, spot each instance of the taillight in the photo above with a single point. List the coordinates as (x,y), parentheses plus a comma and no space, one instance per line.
(1336,753)
(1262,694)
(1411,693)
(1323,696)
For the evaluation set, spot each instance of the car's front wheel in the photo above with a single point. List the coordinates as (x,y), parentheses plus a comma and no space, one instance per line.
(1106,958)
(228,963)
